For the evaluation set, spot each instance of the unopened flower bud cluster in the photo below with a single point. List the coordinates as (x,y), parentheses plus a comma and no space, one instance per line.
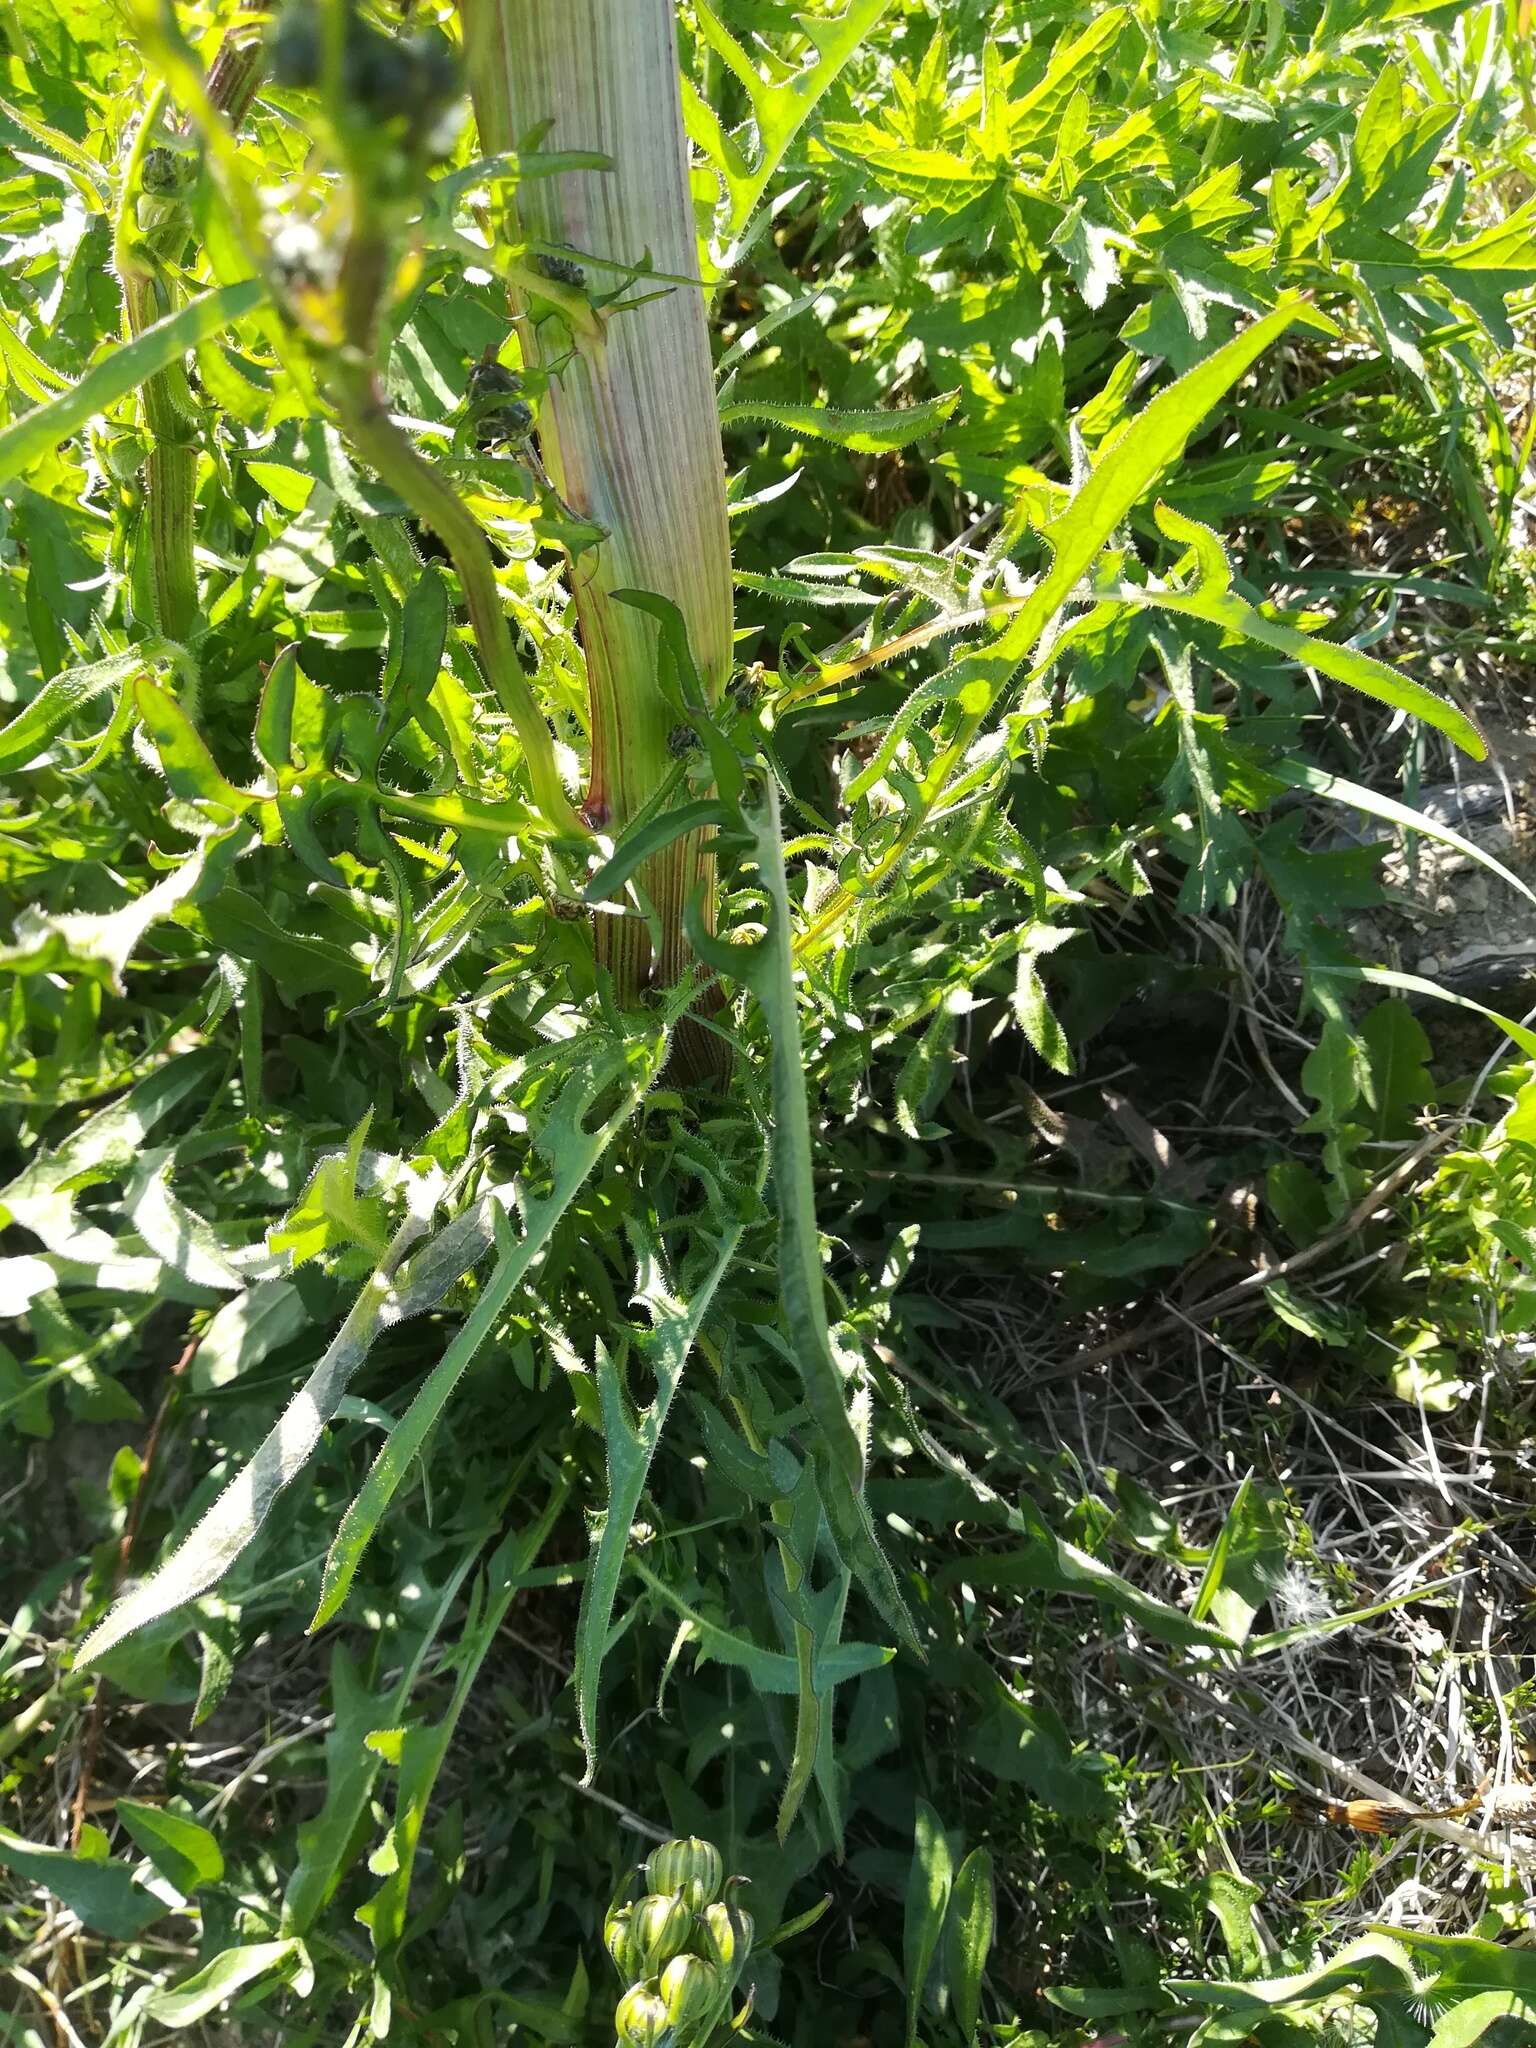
(680,1950)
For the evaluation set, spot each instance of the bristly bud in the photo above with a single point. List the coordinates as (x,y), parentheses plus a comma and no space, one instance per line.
(490,379)
(661,1927)
(561,270)
(726,1937)
(693,1996)
(412,80)
(500,415)
(692,1867)
(166,173)
(642,2020)
(619,1940)
(504,425)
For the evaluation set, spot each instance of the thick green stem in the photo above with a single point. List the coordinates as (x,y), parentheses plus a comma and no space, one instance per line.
(170,490)
(628,427)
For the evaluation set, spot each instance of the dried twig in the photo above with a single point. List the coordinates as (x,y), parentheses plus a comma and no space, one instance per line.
(1278,1725)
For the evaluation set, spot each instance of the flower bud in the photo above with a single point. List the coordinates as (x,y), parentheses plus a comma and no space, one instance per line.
(619,1940)
(692,1867)
(503,424)
(166,173)
(727,1937)
(490,379)
(692,1995)
(641,2020)
(561,270)
(660,1928)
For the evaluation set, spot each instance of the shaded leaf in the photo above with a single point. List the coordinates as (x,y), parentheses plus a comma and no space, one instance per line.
(180,1848)
(102,1892)
(928,1889)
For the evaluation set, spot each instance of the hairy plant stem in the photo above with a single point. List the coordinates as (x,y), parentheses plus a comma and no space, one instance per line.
(364,413)
(170,500)
(628,425)
(170,469)
(355,389)
(236,70)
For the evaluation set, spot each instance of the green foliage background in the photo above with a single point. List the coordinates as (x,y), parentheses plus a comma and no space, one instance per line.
(627,1444)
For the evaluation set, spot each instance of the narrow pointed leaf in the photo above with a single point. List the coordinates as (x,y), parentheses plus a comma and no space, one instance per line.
(121,371)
